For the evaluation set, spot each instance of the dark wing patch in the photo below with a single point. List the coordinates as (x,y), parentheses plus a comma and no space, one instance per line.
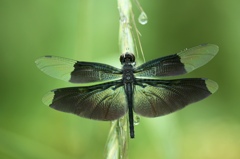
(159,97)
(99,102)
(77,72)
(177,64)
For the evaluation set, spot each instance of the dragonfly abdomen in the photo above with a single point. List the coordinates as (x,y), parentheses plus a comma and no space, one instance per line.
(128,87)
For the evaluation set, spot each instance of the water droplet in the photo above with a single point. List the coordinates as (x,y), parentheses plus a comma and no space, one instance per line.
(143,19)
(136,120)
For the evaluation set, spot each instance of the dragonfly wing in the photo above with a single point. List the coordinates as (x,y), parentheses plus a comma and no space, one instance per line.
(159,97)
(99,102)
(177,64)
(76,71)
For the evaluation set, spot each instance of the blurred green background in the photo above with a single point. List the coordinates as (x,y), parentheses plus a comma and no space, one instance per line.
(88,30)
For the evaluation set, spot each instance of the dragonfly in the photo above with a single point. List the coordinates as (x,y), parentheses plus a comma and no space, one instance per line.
(107,93)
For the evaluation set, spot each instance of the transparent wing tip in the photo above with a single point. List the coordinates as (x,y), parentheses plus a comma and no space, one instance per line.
(48,98)
(212,86)
(213,48)
(39,62)
(41,59)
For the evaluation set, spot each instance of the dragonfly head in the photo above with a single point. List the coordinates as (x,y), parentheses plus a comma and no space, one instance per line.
(127,58)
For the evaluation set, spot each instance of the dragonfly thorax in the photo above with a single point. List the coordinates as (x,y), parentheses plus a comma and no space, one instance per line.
(128,76)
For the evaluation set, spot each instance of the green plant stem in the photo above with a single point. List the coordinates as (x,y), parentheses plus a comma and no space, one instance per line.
(117,142)
(125,34)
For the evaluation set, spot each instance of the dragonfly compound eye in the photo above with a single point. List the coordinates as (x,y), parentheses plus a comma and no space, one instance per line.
(127,58)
